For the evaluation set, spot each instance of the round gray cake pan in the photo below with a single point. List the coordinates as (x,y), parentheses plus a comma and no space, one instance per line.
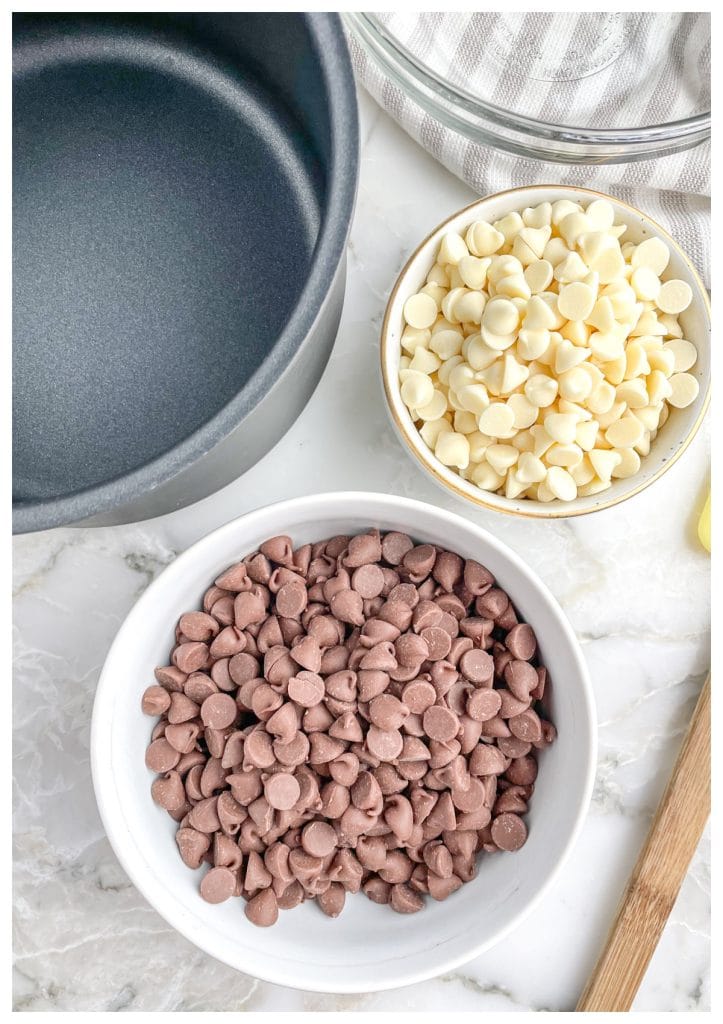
(183,187)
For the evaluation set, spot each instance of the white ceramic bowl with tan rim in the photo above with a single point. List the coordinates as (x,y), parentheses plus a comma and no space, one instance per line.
(673,437)
(368,947)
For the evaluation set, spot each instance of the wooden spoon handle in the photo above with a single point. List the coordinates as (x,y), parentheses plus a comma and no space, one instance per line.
(658,873)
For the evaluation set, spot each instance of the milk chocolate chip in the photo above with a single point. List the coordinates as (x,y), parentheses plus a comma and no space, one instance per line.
(360,714)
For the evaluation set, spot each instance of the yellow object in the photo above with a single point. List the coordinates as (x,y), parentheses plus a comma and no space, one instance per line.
(704,525)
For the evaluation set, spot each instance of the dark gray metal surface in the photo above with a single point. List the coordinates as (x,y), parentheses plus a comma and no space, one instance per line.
(183,189)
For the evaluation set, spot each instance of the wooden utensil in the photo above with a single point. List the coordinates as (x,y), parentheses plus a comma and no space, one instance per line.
(658,873)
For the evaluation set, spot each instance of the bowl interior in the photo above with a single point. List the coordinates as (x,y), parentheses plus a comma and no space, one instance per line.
(368,947)
(168,195)
(673,436)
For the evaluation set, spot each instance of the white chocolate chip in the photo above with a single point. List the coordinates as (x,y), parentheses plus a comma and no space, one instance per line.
(435,408)
(629,464)
(646,284)
(538,216)
(501,316)
(614,370)
(575,385)
(452,449)
(653,253)
(582,473)
(530,469)
(513,487)
(474,398)
(420,311)
(478,445)
(478,353)
(571,269)
(565,455)
(465,423)
(509,225)
(431,430)
(561,483)
(684,390)
(555,251)
(574,225)
(468,308)
(486,478)
(576,300)
(586,435)
(601,399)
(663,359)
(425,361)
(609,264)
(684,354)
(633,392)
(448,303)
(473,271)
(529,244)
(460,376)
(607,347)
(525,413)
(446,343)
(435,291)
(602,316)
(538,276)
(499,342)
(605,419)
(649,416)
(483,240)
(659,387)
(501,457)
(671,325)
(523,441)
(604,462)
(560,427)
(580,413)
(568,356)
(540,314)
(674,296)
(532,344)
(446,368)
(417,389)
(576,331)
(625,432)
(636,361)
(498,420)
(452,249)
(594,487)
(413,338)
(513,374)
(514,286)
(601,214)
(643,445)
(438,275)
(541,390)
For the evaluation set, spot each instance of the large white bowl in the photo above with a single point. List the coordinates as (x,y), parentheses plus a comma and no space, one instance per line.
(674,436)
(368,947)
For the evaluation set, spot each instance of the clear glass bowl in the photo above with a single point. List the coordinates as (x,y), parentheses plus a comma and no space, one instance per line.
(572,88)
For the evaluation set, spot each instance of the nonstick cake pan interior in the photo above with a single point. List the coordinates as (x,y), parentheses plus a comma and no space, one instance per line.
(183,186)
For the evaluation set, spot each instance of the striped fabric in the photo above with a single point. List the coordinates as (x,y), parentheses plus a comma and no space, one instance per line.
(551,81)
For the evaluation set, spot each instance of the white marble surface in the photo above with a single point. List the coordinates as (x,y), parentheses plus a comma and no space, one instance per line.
(633,580)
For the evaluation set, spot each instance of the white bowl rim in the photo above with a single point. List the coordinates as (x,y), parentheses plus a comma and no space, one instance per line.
(130,855)
(448,480)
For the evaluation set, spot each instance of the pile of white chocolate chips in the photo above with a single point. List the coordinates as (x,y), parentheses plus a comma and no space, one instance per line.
(541,356)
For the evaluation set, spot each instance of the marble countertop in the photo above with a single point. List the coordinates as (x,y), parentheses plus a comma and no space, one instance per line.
(633,581)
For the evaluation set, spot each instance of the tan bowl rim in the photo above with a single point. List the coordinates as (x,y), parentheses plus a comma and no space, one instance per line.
(558,509)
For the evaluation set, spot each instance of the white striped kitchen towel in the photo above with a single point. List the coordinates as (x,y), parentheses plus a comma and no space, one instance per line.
(674,190)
